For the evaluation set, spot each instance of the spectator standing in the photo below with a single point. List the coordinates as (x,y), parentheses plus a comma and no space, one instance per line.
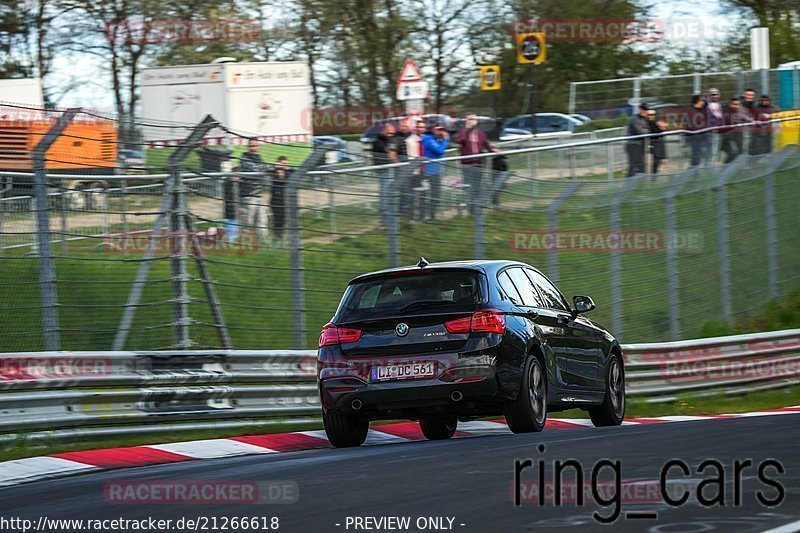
(252,188)
(749,108)
(434,145)
(658,147)
(732,136)
(762,133)
(388,148)
(473,141)
(715,120)
(697,138)
(412,205)
(637,125)
(232,203)
(277,201)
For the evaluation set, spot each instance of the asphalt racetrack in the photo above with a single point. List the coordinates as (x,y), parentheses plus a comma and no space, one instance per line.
(468,484)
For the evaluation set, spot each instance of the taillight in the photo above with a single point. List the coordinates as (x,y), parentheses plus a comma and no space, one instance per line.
(491,321)
(331,334)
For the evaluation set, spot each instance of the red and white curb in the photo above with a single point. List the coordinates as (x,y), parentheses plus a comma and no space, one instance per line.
(68,463)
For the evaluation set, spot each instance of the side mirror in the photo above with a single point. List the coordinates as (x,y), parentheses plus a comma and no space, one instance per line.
(582,304)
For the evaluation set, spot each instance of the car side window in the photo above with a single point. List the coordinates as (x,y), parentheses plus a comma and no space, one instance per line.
(525,288)
(552,297)
(508,287)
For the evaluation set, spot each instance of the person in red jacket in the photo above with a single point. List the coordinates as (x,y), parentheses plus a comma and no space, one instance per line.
(473,140)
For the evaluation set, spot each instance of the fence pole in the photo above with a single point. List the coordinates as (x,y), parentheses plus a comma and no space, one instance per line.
(180,153)
(723,228)
(772,225)
(392,198)
(331,205)
(610,160)
(616,266)
(62,204)
(552,226)
(294,227)
(178,252)
(47,275)
(572,98)
(697,83)
(772,236)
(637,92)
(673,274)
(123,207)
(739,82)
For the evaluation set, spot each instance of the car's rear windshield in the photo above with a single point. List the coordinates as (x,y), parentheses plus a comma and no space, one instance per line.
(396,292)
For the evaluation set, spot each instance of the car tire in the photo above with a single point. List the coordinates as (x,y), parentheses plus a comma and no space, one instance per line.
(612,411)
(345,431)
(528,413)
(437,427)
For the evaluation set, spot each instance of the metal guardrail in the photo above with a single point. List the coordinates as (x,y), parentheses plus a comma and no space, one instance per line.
(99,394)
(733,364)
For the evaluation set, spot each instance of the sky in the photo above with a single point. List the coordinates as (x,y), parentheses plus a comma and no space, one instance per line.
(93,88)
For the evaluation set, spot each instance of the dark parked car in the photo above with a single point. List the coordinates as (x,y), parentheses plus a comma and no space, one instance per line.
(444,342)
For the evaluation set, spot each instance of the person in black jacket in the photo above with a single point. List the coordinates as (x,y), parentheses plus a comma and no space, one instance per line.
(637,125)
(277,202)
(387,148)
(658,147)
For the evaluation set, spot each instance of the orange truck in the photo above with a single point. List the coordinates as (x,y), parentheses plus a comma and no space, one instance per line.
(84,147)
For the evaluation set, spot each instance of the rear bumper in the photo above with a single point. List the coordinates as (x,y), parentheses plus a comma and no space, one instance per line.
(409,395)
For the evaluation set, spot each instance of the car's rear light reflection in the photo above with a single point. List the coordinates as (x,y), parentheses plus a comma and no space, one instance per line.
(490,321)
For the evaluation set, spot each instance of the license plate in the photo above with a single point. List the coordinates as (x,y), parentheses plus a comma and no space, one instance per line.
(403,371)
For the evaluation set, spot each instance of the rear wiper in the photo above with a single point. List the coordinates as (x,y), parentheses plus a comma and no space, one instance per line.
(424,303)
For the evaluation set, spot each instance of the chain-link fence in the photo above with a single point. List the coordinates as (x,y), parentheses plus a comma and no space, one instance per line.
(250,244)
(611,98)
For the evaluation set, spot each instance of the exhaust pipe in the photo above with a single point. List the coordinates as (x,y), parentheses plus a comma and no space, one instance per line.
(356,404)
(456,396)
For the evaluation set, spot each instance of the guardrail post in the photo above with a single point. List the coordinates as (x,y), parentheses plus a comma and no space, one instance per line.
(294,227)
(552,227)
(616,267)
(47,275)
(673,275)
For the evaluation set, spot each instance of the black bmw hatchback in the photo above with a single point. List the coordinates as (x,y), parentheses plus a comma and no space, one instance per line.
(444,342)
